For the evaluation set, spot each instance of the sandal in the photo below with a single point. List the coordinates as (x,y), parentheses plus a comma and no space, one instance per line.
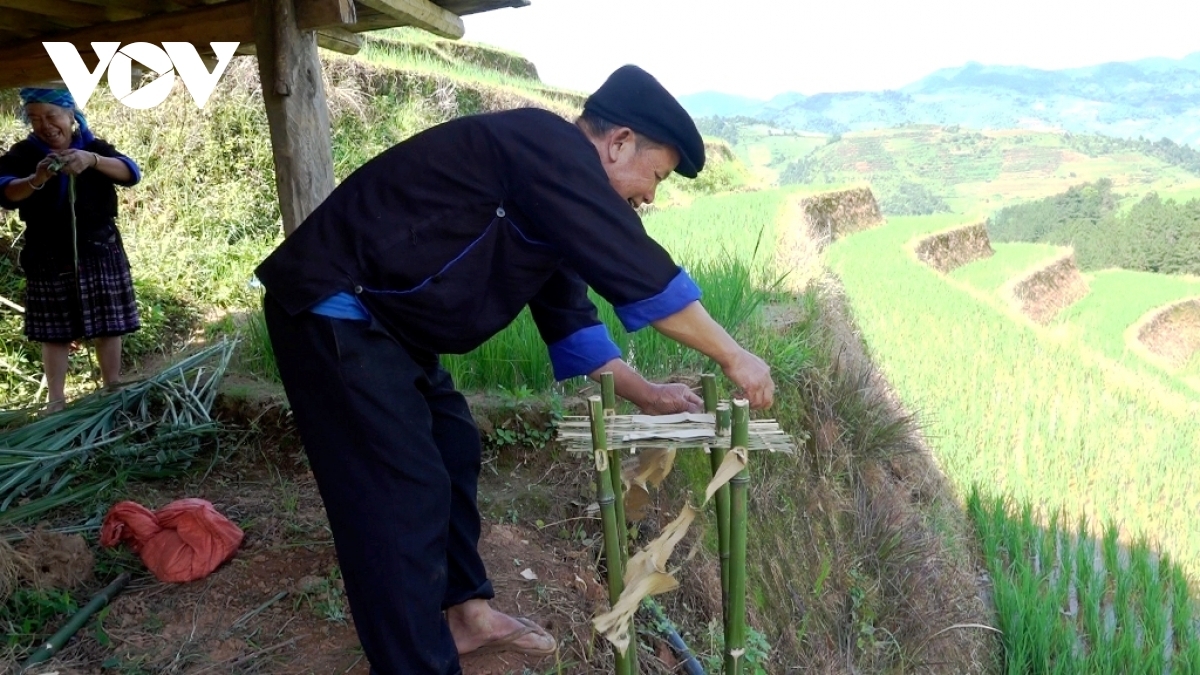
(508,643)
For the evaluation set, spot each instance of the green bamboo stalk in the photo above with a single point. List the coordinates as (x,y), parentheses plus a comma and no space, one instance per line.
(708,386)
(608,516)
(56,641)
(735,627)
(716,457)
(609,400)
(608,391)
(608,397)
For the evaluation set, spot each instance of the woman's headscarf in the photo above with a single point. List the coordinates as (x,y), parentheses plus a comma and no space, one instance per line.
(61,98)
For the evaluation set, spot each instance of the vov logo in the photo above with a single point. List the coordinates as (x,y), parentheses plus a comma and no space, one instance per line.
(178,57)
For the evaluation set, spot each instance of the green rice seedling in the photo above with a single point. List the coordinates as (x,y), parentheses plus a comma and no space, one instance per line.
(1183,624)
(1116,623)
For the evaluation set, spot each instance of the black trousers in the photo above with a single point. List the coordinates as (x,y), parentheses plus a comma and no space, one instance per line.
(396,456)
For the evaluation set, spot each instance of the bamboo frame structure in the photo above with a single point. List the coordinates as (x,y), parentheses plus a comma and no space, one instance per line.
(723,429)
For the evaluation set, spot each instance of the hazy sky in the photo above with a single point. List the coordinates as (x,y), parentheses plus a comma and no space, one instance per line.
(764,47)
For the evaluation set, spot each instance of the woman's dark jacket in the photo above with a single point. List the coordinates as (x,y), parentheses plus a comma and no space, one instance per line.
(46,213)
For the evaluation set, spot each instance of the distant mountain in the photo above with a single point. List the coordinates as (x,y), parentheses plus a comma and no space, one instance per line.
(1155,98)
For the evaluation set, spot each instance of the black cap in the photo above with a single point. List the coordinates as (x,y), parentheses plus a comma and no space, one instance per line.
(631,97)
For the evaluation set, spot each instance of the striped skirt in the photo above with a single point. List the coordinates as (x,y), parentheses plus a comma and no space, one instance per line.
(100,303)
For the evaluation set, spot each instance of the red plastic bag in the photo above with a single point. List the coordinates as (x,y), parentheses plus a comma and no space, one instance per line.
(183,541)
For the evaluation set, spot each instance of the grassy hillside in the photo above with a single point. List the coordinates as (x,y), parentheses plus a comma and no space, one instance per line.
(979,171)
(920,170)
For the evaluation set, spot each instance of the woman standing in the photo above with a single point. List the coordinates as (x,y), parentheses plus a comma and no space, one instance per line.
(62,180)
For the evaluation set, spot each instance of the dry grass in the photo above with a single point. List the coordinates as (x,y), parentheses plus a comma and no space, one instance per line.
(953,248)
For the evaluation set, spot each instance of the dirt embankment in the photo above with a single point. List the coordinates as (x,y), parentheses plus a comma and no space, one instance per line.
(1172,332)
(836,214)
(809,224)
(1049,289)
(948,250)
(865,494)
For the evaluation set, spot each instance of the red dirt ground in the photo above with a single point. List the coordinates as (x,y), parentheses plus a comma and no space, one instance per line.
(226,624)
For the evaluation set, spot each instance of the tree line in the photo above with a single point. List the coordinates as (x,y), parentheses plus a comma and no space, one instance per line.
(1154,235)
(1183,156)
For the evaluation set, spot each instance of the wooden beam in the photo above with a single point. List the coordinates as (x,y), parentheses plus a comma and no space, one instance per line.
(5,28)
(422,14)
(17,20)
(142,7)
(313,14)
(339,40)
(294,94)
(64,9)
(27,61)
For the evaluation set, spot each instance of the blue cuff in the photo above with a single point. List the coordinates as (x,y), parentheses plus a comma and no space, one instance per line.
(680,293)
(133,169)
(582,352)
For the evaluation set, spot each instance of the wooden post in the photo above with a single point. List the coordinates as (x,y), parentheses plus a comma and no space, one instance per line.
(608,516)
(294,95)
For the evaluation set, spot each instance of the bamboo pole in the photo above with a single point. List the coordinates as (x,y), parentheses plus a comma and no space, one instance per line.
(708,387)
(608,516)
(715,458)
(608,397)
(735,627)
(56,641)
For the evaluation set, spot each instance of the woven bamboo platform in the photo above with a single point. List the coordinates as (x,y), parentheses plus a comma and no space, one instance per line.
(685,430)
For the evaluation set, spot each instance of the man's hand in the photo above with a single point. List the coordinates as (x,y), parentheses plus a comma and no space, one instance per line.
(667,399)
(692,326)
(753,376)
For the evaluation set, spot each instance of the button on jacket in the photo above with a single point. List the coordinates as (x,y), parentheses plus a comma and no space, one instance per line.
(445,237)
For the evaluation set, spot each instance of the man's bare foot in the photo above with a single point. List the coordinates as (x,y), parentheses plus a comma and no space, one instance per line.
(54,406)
(477,627)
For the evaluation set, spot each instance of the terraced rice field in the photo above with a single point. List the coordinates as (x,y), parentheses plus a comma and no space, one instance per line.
(1018,412)
(1080,471)
(1009,261)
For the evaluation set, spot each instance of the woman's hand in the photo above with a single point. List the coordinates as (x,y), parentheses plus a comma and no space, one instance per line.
(44,171)
(75,162)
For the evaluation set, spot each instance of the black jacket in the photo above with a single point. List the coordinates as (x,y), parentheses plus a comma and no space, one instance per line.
(445,237)
(47,214)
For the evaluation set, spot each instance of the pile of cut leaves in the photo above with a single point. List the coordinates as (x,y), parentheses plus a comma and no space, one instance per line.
(151,428)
